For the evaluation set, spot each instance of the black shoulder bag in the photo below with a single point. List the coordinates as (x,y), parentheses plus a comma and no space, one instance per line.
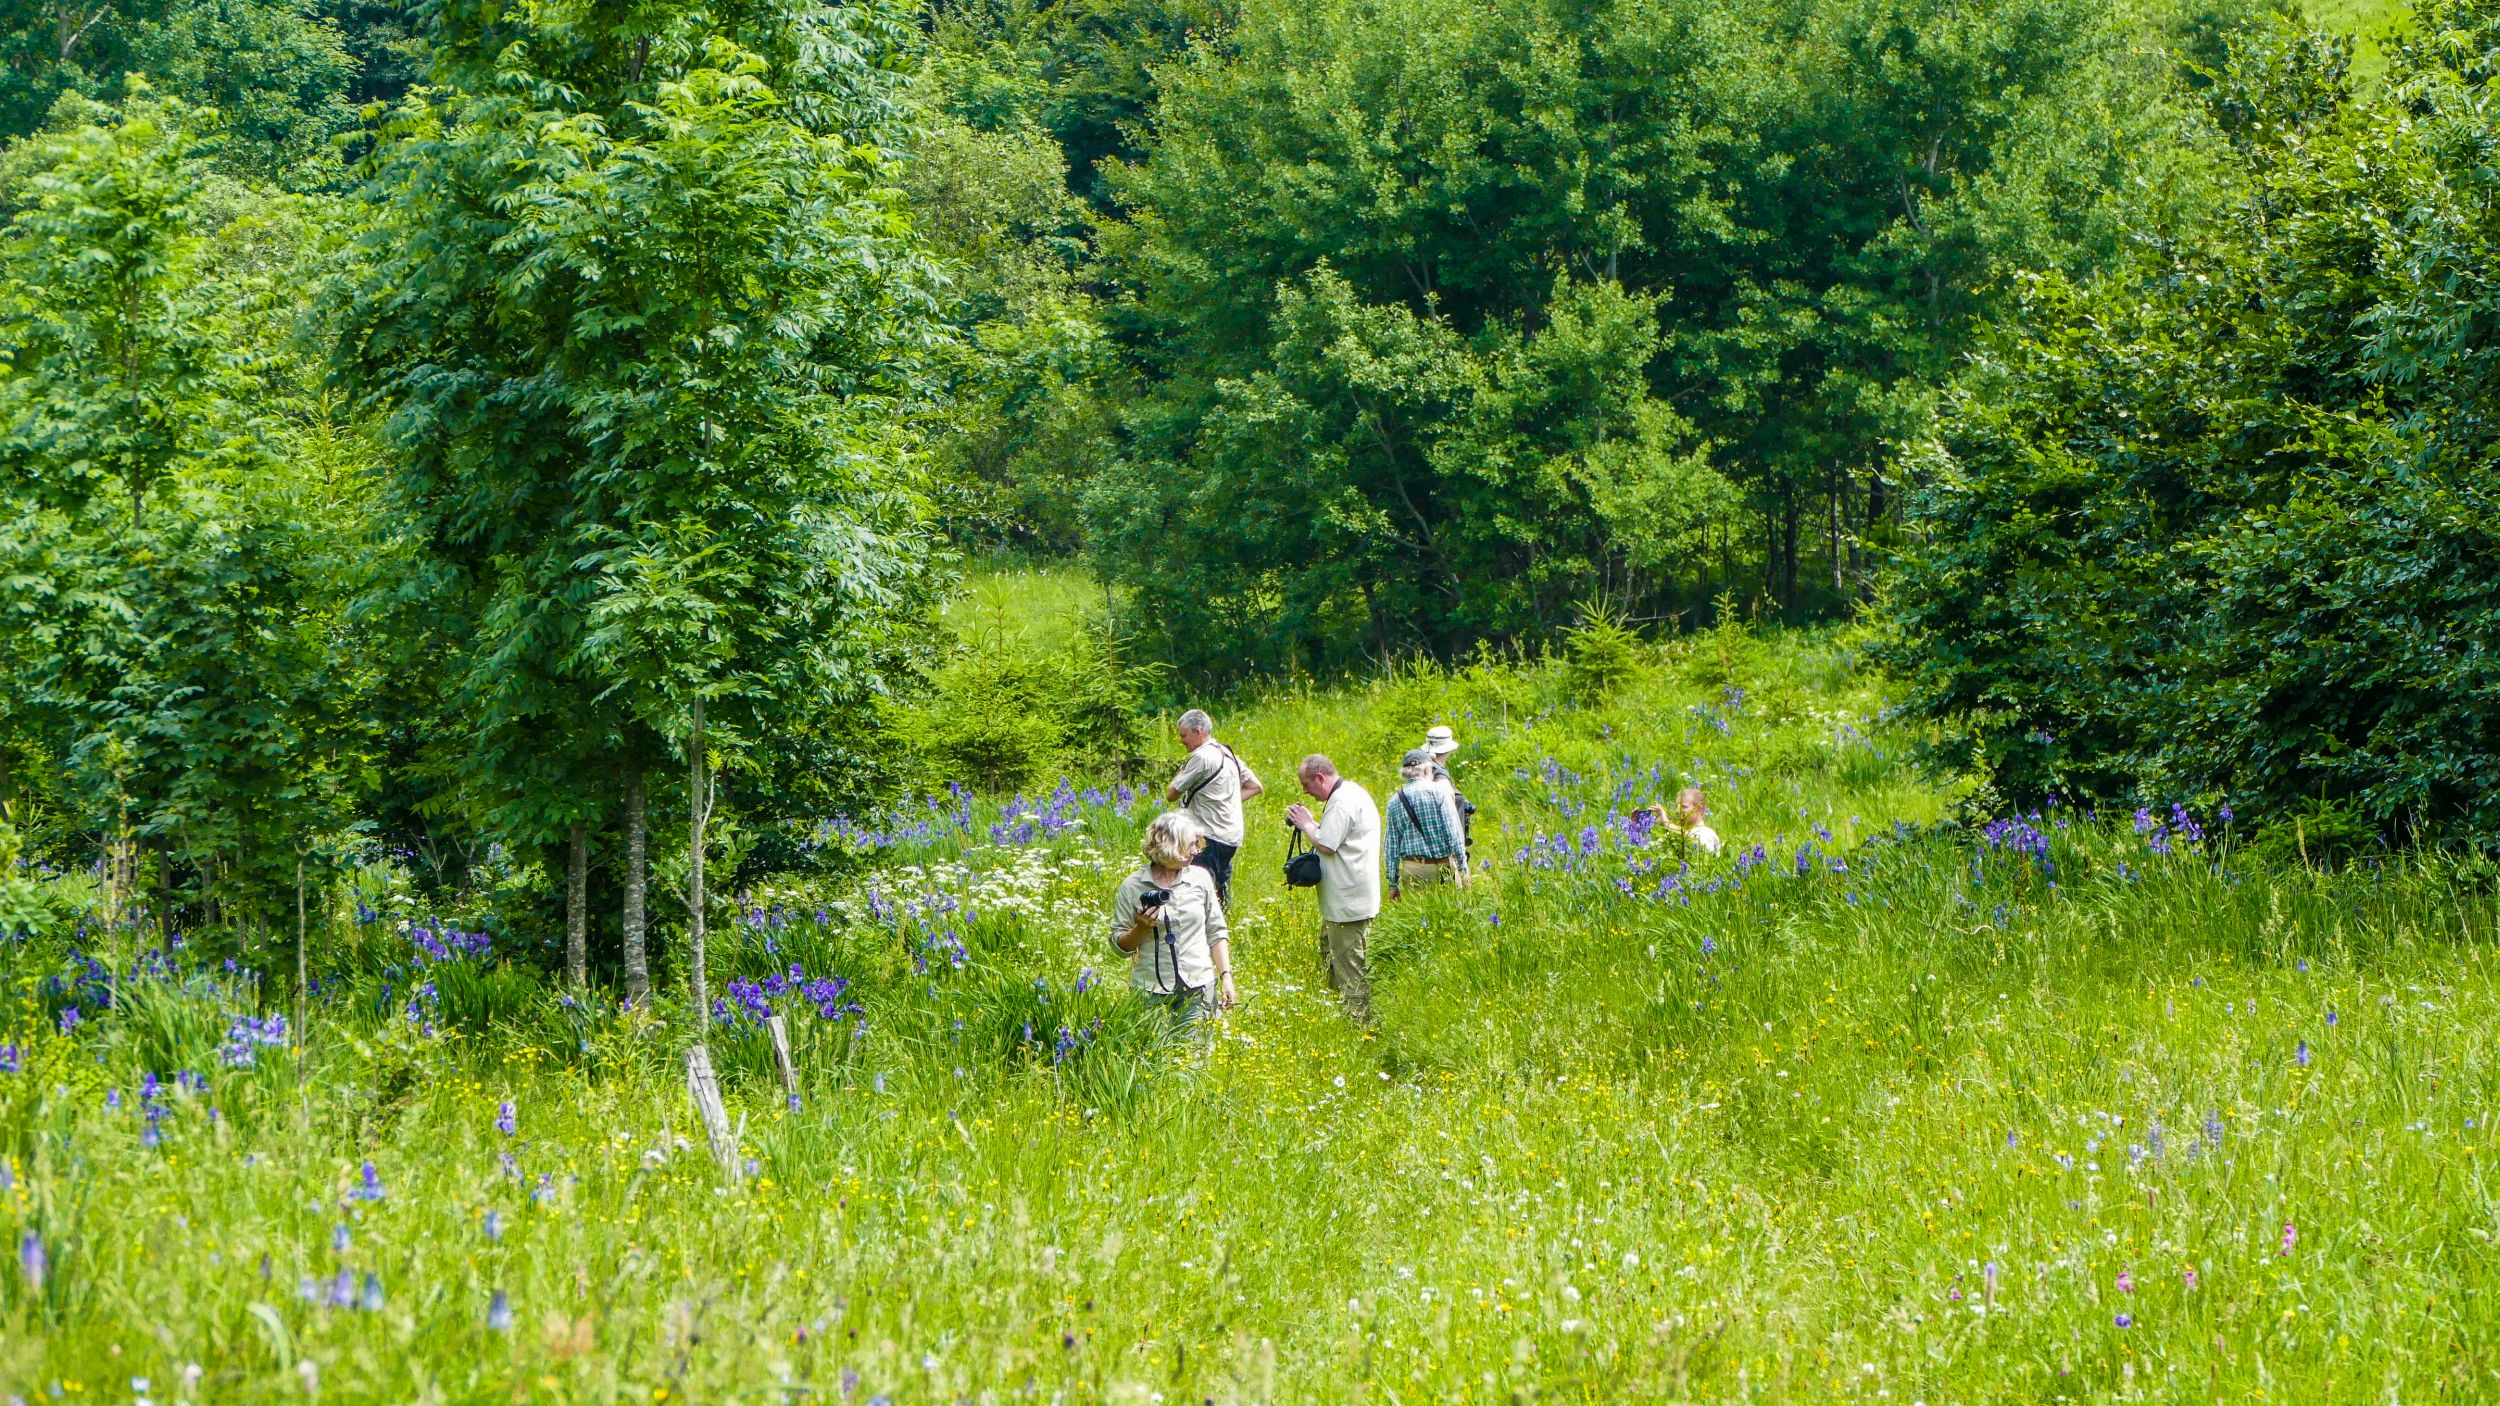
(1301,863)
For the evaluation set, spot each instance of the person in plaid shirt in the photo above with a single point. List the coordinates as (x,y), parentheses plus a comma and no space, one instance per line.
(1426,842)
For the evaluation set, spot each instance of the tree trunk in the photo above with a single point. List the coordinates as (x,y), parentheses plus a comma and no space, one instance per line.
(303,968)
(699,810)
(637,877)
(1788,555)
(1770,553)
(1839,577)
(577,909)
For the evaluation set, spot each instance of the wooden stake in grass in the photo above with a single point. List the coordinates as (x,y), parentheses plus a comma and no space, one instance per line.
(780,1034)
(703,1086)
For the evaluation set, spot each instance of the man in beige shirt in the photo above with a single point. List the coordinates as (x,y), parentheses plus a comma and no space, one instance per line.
(1211,785)
(1348,841)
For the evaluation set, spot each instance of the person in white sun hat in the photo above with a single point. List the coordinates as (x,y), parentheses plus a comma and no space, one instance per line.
(1441,741)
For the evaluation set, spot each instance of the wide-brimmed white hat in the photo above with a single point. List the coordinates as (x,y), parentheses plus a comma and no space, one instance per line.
(1440,741)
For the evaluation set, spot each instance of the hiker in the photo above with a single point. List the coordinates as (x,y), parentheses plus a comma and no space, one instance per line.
(1690,822)
(1167,917)
(1348,842)
(1440,741)
(1211,785)
(1427,843)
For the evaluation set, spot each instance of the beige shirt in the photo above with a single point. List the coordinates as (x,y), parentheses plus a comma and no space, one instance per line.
(1216,805)
(1349,879)
(1180,952)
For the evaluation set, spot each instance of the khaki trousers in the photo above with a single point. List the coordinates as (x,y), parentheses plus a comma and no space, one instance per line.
(1342,949)
(1421,873)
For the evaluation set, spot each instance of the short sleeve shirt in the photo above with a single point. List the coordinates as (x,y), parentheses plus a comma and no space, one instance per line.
(1210,786)
(1349,879)
(1180,953)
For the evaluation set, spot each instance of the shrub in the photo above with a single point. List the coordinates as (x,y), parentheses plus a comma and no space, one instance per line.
(1007,713)
(2187,534)
(1601,653)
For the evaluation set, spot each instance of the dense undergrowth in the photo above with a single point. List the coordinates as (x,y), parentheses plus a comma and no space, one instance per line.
(1878,1106)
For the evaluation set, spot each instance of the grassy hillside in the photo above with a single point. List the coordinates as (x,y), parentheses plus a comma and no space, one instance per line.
(2068,1108)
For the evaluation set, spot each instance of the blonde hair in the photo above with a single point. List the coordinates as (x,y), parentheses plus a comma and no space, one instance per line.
(1173,839)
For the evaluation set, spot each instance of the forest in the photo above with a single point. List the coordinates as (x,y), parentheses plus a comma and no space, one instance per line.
(451,432)
(541,541)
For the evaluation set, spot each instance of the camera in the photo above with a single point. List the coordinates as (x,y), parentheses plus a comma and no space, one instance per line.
(1154,898)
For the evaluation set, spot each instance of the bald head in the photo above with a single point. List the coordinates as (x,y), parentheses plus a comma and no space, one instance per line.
(1319,776)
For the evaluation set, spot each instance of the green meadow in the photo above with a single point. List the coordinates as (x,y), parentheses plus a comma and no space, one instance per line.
(1889,1103)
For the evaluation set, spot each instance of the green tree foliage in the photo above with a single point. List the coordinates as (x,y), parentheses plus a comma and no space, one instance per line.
(642,311)
(1029,378)
(278,71)
(2220,525)
(1454,313)
(1082,71)
(183,530)
(111,345)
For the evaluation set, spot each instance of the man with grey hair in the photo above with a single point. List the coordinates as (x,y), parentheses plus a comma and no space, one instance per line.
(1427,836)
(1211,785)
(1348,842)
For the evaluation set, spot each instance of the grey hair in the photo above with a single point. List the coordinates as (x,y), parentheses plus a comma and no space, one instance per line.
(1316,764)
(1416,765)
(1196,720)
(1172,840)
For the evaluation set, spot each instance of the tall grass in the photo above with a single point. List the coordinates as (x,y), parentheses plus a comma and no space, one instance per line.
(1889,1110)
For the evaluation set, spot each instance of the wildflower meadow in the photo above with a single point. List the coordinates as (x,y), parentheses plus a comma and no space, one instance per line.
(1879,1105)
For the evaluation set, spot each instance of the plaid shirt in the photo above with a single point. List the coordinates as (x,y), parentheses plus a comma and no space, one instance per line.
(1425,834)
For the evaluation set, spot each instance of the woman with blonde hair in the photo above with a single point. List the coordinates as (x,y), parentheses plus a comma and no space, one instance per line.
(1691,821)
(1170,921)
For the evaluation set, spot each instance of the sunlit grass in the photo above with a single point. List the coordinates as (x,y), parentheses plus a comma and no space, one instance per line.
(1036,606)
(2372,23)
(1919,1118)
